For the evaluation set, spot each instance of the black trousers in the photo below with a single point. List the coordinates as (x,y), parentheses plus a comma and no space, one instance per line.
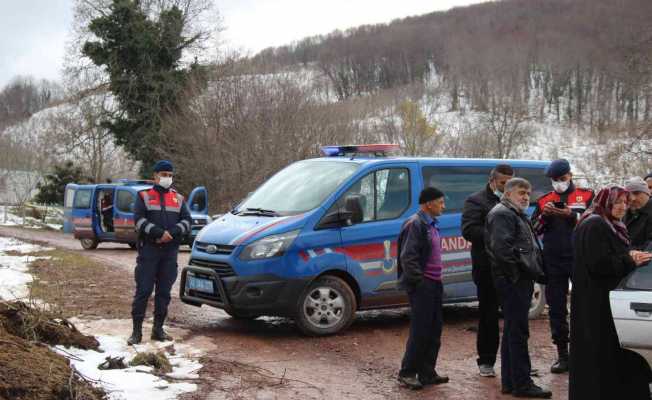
(515,357)
(557,299)
(488,337)
(426,324)
(156,268)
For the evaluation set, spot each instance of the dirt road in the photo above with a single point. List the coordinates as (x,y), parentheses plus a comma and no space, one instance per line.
(268,359)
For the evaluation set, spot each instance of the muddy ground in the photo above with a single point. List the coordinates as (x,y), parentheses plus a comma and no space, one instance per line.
(268,358)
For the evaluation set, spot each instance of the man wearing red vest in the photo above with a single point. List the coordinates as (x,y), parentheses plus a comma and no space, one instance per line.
(554,219)
(162,219)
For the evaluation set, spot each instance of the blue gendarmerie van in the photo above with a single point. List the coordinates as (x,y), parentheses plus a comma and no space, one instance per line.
(317,241)
(98,213)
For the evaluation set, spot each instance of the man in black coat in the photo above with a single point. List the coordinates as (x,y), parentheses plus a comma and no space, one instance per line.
(639,214)
(516,262)
(474,214)
(420,274)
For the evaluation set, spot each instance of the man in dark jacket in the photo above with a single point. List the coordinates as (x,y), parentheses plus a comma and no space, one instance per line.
(476,208)
(419,272)
(639,214)
(162,219)
(515,263)
(555,217)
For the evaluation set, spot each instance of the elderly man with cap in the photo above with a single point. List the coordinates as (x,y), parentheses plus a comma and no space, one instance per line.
(420,274)
(639,214)
(554,218)
(162,219)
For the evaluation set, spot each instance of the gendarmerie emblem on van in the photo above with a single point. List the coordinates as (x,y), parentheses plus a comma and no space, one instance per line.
(211,248)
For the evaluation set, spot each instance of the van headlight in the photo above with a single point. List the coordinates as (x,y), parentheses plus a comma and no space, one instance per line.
(268,247)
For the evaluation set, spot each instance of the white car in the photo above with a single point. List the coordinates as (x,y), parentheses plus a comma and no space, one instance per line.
(631,308)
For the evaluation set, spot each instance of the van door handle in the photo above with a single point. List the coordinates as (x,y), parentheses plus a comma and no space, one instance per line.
(641,309)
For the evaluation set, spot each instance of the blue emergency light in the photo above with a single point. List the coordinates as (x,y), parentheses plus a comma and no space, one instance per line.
(379,149)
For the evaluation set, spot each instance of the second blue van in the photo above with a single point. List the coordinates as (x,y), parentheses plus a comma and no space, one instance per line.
(317,241)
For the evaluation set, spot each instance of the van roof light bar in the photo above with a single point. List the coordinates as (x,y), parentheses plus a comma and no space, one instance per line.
(377,150)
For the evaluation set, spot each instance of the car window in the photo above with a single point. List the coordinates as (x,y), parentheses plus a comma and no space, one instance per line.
(640,279)
(69,197)
(125,199)
(383,194)
(200,200)
(83,198)
(457,183)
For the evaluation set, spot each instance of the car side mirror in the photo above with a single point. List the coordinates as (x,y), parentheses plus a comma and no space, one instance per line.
(335,219)
(353,204)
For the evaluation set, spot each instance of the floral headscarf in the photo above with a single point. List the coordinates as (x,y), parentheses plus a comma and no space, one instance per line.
(603,205)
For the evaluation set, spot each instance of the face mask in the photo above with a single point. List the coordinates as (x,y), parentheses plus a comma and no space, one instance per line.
(498,193)
(165,181)
(560,187)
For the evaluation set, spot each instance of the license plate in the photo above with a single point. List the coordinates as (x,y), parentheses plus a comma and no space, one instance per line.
(199,284)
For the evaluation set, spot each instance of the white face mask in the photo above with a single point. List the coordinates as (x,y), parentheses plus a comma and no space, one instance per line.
(560,187)
(165,181)
(498,193)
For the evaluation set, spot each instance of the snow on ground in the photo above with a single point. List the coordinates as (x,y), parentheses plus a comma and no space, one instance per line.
(133,383)
(8,218)
(13,268)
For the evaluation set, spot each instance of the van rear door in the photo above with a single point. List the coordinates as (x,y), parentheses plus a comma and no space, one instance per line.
(68,198)
(123,214)
(82,212)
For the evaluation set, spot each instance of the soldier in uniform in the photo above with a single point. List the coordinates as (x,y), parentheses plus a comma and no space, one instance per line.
(162,219)
(554,218)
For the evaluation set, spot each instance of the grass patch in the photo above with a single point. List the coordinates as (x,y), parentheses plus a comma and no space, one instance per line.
(75,285)
(158,361)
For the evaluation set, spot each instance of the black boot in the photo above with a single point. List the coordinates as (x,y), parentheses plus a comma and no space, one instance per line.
(561,365)
(136,332)
(158,333)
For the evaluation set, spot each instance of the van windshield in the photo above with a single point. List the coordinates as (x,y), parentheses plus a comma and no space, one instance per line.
(298,188)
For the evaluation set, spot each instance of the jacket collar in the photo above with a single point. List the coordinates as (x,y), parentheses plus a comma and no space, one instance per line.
(427,219)
(490,193)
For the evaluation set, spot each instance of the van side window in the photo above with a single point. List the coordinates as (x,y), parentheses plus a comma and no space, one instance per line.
(82,199)
(69,197)
(457,183)
(383,194)
(125,199)
(199,200)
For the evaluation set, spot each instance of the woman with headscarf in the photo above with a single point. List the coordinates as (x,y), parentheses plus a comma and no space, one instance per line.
(599,367)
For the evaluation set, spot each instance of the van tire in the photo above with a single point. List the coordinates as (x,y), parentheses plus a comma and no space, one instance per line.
(89,244)
(336,302)
(538,302)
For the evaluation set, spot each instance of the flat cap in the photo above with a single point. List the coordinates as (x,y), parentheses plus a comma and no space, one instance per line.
(558,168)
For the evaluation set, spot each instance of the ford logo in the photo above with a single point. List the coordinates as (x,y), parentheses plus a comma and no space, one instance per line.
(211,248)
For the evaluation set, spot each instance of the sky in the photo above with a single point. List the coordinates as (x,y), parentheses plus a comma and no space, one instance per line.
(33,33)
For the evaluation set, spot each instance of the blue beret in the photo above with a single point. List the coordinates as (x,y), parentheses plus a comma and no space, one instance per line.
(558,168)
(163,165)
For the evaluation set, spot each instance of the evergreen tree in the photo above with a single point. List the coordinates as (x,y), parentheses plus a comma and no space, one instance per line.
(51,191)
(142,58)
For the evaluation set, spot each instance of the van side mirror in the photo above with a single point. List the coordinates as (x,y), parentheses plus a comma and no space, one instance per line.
(335,219)
(353,204)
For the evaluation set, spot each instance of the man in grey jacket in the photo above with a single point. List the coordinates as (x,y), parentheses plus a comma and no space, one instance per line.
(516,262)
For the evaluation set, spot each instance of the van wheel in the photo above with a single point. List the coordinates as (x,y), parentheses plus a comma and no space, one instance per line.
(89,244)
(538,302)
(326,307)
